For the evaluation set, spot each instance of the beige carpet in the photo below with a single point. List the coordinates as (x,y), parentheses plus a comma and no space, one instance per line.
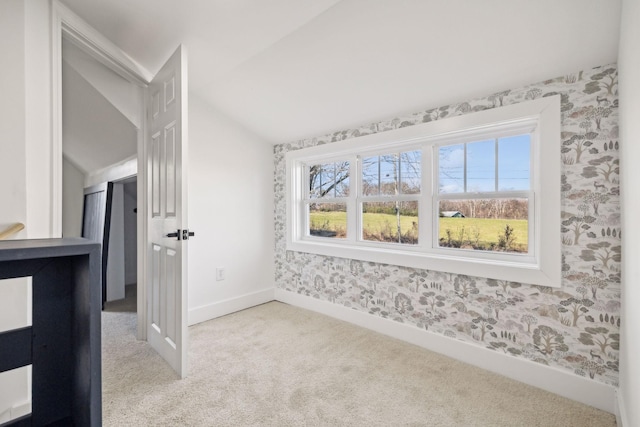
(128,304)
(277,365)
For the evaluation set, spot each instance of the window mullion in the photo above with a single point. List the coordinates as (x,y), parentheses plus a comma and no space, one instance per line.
(355,187)
(426,212)
(304,194)
(335,180)
(533,224)
(327,200)
(496,145)
(379,173)
(464,170)
(523,194)
(399,174)
(390,198)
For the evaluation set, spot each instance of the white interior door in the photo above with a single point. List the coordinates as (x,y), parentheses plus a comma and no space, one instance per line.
(166,192)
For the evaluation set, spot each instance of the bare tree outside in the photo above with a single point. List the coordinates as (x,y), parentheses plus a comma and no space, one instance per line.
(328,183)
(331,179)
(390,176)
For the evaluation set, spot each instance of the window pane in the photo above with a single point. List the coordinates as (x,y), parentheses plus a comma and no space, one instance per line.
(326,180)
(389,174)
(392,222)
(451,168)
(328,220)
(370,176)
(342,179)
(481,166)
(514,163)
(329,180)
(410,172)
(484,224)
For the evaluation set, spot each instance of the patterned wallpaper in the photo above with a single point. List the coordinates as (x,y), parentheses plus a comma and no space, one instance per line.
(575,327)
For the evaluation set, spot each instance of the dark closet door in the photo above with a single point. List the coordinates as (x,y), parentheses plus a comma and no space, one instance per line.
(96,222)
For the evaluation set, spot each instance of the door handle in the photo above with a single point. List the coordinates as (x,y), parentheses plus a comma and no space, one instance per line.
(177,234)
(181,234)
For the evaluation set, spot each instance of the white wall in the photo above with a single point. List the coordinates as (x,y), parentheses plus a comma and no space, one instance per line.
(25,41)
(72,199)
(38,117)
(25,108)
(115,263)
(231,212)
(130,233)
(13,178)
(629,69)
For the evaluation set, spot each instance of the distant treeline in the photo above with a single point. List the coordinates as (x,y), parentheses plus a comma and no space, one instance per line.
(488,208)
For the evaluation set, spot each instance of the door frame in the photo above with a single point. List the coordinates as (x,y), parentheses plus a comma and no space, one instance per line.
(66,24)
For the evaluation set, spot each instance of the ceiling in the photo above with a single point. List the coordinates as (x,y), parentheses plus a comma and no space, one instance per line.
(100,113)
(291,69)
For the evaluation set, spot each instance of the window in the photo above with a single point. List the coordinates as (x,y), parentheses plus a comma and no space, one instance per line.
(389,197)
(477,194)
(326,201)
(488,183)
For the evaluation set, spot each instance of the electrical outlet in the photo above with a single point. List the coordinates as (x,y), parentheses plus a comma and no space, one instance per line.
(219,273)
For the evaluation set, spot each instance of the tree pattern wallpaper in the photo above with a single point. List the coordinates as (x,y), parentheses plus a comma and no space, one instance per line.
(575,327)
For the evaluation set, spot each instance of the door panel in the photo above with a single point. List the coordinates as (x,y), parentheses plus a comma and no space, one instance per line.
(170,190)
(171,262)
(166,197)
(155,175)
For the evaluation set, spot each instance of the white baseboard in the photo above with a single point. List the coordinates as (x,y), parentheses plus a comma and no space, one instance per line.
(228,306)
(621,411)
(583,390)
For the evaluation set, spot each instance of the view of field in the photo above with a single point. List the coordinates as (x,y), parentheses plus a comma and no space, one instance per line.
(485,234)
(470,233)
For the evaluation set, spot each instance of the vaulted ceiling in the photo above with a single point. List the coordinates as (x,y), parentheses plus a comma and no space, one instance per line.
(100,112)
(289,69)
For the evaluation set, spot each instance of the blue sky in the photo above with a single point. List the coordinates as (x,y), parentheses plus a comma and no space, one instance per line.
(513,165)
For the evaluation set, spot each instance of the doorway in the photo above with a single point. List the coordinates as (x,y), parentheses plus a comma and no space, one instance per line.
(160,163)
(101,117)
(122,271)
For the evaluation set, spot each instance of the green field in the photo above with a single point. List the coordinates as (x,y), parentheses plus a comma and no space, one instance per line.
(476,233)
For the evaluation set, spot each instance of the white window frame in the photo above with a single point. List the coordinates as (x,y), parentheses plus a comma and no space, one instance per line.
(541,266)
(517,127)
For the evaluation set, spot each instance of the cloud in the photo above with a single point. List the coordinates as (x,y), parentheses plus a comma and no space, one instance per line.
(451,157)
